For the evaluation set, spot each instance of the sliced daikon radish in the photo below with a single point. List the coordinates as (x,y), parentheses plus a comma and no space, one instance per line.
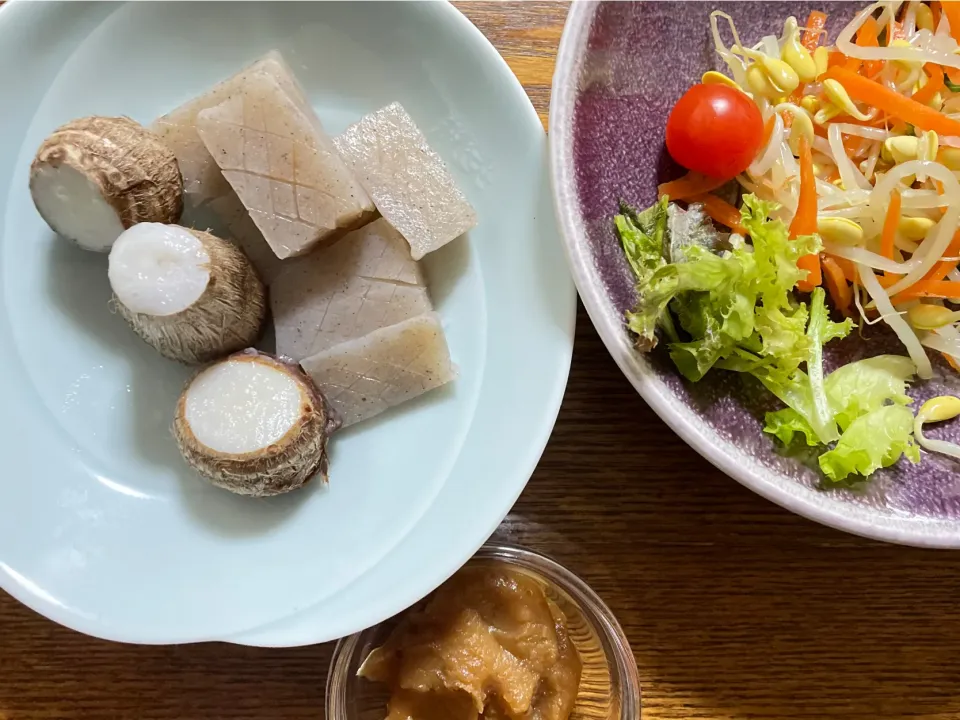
(96,176)
(189,294)
(254,425)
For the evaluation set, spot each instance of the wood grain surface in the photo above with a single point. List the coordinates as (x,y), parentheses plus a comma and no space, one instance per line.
(734,607)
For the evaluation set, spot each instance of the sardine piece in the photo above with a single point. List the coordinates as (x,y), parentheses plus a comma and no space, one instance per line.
(407,180)
(202,179)
(283,167)
(364,282)
(361,378)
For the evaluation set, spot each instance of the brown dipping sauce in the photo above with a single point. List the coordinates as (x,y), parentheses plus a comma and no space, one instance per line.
(488,644)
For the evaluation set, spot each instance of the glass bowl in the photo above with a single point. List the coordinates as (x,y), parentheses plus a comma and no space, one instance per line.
(609,685)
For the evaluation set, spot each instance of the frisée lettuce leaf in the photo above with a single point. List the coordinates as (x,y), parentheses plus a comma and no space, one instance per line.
(857,391)
(872,441)
(736,309)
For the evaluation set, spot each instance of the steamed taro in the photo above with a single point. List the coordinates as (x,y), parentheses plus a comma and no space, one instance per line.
(254,425)
(189,294)
(97,176)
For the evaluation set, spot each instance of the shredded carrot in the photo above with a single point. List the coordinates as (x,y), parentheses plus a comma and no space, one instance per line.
(689,185)
(952,11)
(721,211)
(816,21)
(851,144)
(935,10)
(768,129)
(837,286)
(890,225)
(867,37)
(892,103)
(795,97)
(899,127)
(805,221)
(871,68)
(835,58)
(934,84)
(935,276)
(852,64)
(847,267)
(950,361)
(939,289)
(953,74)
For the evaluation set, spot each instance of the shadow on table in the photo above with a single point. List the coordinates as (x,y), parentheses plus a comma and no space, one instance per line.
(734,607)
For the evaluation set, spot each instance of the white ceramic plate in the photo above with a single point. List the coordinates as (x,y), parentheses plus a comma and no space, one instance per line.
(102,527)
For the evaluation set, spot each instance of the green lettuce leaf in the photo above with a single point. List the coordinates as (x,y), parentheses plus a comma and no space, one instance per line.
(642,236)
(852,391)
(872,441)
(738,312)
(861,387)
(708,272)
(787,424)
(686,228)
(805,392)
(821,330)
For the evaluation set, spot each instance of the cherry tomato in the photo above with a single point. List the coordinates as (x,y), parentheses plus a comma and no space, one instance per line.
(715,130)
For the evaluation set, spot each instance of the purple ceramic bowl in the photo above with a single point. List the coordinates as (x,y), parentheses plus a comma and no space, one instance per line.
(620,68)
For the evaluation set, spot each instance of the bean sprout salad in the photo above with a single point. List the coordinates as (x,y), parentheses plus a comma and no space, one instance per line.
(823,183)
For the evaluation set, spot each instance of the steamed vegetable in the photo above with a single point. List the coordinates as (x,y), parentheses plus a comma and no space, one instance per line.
(893,103)
(97,176)
(254,425)
(189,294)
(937,409)
(865,148)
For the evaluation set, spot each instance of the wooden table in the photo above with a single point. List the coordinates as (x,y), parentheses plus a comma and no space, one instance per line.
(734,607)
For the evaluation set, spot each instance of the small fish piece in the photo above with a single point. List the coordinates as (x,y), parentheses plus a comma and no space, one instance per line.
(202,179)
(283,167)
(409,183)
(364,282)
(361,378)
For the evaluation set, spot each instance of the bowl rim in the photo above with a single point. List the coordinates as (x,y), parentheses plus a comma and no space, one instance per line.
(596,610)
(899,529)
